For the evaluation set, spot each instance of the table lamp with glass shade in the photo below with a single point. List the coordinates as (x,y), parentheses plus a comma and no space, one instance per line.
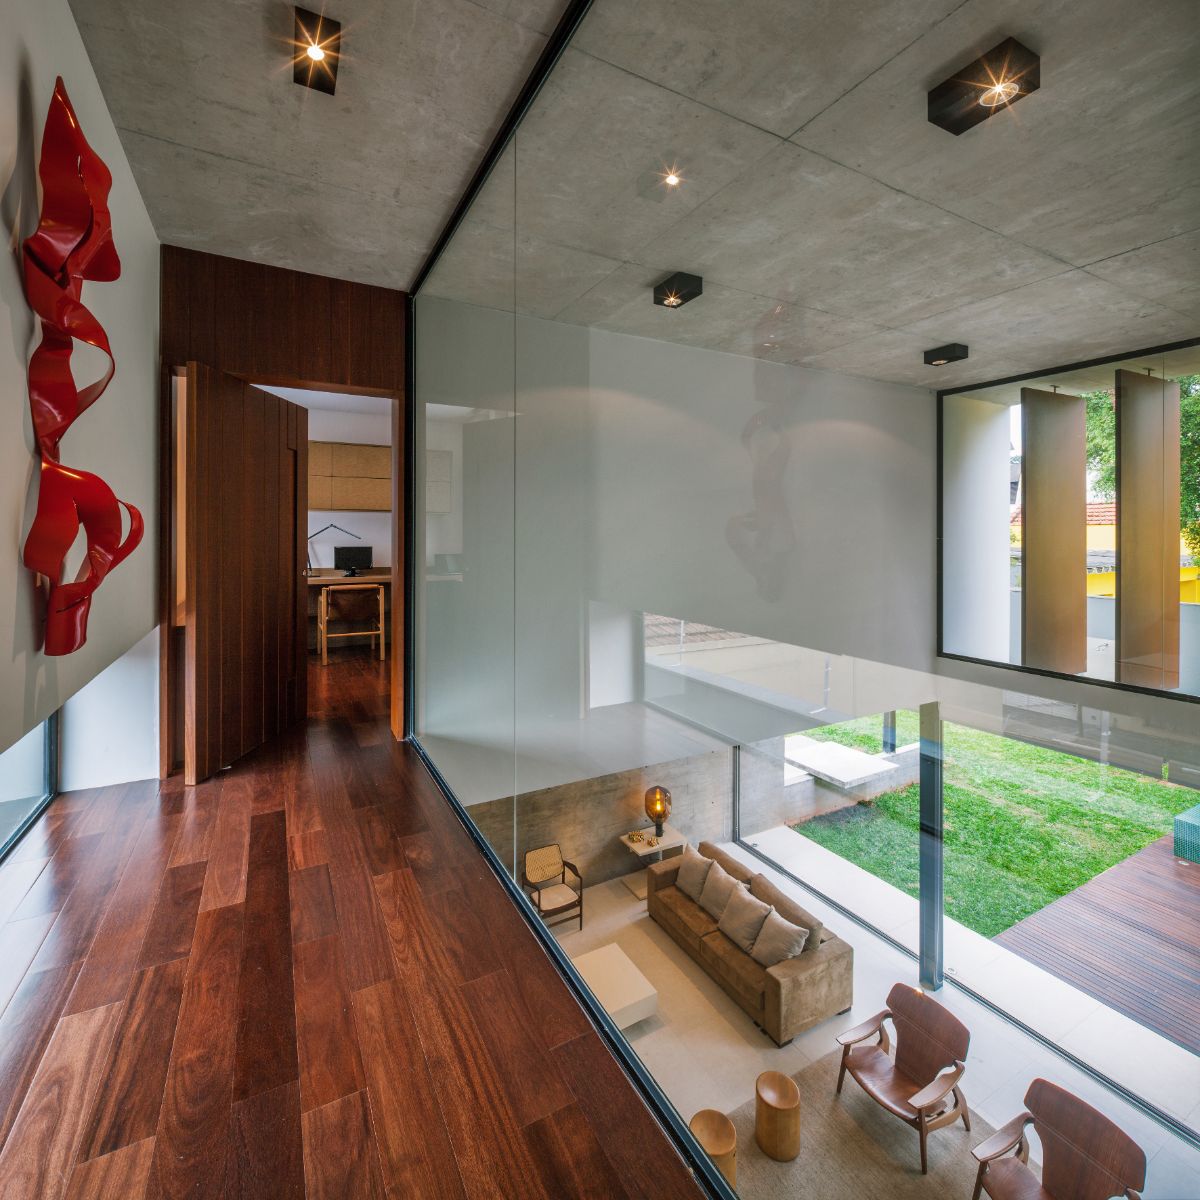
(658,807)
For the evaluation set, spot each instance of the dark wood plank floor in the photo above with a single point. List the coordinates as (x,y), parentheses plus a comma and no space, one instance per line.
(297,979)
(1130,938)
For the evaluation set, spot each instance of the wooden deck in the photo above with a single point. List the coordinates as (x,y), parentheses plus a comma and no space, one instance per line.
(297,979)
(1130,938)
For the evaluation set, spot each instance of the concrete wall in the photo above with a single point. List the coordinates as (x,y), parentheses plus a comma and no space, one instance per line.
(117,438)
(588,817)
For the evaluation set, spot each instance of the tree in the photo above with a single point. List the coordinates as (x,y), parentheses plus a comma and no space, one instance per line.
(1102,454)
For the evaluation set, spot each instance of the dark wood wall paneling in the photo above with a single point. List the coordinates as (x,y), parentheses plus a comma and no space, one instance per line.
(245,667)
(287,328)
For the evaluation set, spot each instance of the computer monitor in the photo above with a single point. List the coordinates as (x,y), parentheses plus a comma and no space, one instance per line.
(352,559)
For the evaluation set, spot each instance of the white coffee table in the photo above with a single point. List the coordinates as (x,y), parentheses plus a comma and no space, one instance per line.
(626,994)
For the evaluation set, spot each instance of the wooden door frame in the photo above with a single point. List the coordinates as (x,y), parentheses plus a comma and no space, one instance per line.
(169,681)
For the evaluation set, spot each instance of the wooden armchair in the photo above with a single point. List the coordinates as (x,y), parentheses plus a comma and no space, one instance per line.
(1084,1155)
(920,1084)
(556,902)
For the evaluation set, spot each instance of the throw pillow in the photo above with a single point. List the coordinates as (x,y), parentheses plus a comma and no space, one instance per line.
(777,940)
(693,871)
(743,918)
(718,887)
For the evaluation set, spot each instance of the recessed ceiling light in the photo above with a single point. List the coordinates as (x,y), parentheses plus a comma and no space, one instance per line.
(672,180)
(318,42)
(992,82)
(676,290)
(939,356)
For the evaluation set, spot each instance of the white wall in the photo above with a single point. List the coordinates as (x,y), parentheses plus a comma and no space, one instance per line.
(109,730)
(374,528)
(363,429)
(117,438)
(975,528)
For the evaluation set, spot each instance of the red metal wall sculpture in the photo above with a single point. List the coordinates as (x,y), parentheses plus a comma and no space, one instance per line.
(73,242)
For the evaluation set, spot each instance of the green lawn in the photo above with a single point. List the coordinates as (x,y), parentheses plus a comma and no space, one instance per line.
(1023,825)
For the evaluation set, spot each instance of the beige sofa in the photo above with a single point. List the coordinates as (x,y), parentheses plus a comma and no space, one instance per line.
(784,999)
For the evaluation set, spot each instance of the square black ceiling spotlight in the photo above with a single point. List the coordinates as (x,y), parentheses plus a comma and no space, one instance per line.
(939,356)
(993,82)
(676,290)
(317,51)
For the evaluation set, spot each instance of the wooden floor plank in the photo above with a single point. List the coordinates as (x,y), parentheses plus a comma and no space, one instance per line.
(25,1031)
(225,881)
(39,1153)
(414,1145)
(120,1175)
(131,1083)
(570,1159)
(266,1022)
(530,1077)
(266,1155)
(173,923)
(330,1066)
(340,1158)
(200,807)
(313,912)
(192,1139)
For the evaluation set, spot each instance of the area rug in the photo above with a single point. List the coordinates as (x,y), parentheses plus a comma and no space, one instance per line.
(850,1149)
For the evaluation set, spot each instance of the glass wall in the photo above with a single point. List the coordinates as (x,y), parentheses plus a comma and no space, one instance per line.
(677,457)
(25,781)
(1071,521)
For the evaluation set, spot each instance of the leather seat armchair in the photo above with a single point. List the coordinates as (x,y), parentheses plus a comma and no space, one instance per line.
(1084,1155)
(920,1083)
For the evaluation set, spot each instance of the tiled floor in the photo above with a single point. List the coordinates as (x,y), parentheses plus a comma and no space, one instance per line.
(706,1053)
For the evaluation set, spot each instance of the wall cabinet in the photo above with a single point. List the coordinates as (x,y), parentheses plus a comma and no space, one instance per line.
(349,477)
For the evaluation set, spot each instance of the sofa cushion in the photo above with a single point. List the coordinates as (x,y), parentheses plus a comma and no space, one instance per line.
(683,915)
(741,873)
(718,887)
(777,940)
(693,870)
(743,918)
(734,968)
(763,889)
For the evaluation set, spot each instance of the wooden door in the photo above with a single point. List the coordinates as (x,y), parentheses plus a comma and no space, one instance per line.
(244,490)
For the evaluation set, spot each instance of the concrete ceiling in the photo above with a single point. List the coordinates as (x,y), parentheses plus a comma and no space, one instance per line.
(833,225)
(232,157)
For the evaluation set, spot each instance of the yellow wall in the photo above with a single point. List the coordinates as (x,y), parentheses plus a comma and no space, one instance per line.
(1104,583)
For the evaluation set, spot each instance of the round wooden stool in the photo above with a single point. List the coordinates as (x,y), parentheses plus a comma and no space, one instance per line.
(715,1132)
(777,1116)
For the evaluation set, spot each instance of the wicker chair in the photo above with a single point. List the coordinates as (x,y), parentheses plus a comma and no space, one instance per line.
(556,902)
(1084,1155)
(919,1085)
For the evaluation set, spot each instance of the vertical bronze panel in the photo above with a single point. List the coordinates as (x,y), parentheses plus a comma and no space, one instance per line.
(1147,530)
(1054,532)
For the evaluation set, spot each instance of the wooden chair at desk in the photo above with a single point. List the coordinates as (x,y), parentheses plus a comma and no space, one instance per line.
(323,634)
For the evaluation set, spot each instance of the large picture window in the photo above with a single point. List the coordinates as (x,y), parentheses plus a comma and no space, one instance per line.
(1070,521)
